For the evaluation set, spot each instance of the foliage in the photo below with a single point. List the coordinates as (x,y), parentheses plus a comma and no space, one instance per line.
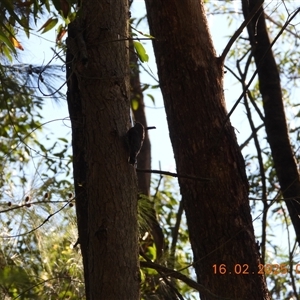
(37,226)
(40,264)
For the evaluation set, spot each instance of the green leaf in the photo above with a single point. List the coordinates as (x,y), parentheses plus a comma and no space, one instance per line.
(152,98)
(149,36)
(47,4)
(50,23)
(6,40)
(26,28)
(134,104)
(141,52)
(9,7)
(7,53)
(63,140)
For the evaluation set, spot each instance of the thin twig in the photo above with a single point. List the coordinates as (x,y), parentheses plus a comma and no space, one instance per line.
(175,232)
(251,136)
(36,228)
(174,175)
(239,31)
(164,277)
(280,26)
(172,273)
(258,66)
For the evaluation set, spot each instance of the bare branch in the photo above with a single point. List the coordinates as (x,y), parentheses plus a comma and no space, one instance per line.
(175,175)
(172,273)
(239,31)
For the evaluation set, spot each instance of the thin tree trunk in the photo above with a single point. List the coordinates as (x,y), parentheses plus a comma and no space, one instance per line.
(218,213)
(144,158)
(105,184)
(275,121)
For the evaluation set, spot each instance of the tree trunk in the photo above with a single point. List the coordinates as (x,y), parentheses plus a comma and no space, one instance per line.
(105,184)
(275,122)
(144,158)
(218,213)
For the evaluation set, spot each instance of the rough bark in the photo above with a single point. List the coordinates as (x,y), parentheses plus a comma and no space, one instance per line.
(79,170)
(218,213)
(275,121)
(105,184)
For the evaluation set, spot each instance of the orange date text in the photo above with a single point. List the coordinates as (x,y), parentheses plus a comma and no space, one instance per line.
(245,269)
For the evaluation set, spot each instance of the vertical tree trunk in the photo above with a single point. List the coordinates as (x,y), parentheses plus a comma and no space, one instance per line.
(275,122)
(144,158)
(218,212)
(105,184)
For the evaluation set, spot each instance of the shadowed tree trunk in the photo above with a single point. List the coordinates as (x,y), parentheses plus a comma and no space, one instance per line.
(218,213)
(144,158)
(105,184)
(275,122)
(136,95)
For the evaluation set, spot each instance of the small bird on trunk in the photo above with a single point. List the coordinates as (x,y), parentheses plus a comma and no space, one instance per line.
(135,137)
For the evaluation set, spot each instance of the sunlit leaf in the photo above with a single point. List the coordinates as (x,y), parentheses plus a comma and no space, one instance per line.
(63,140)
(151,97)
(50,23)
(6,40)
(149,36)
(7,53)
(134,104)
(141,52)
(16,43)
(142,33)
(60,34)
